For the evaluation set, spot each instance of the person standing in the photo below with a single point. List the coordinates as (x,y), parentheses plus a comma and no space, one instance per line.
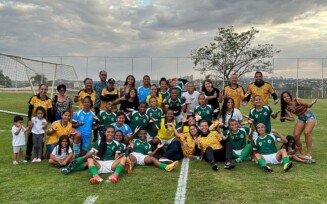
(144,91)
(261,88)
(234,90)
(191,98)
(98,86)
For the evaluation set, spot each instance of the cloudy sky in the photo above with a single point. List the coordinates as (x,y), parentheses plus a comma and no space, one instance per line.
(157,28)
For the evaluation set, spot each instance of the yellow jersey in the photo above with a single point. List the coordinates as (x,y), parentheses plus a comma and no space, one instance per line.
(36,101)
(237,94)
(211,140)
(188,144)
(59,131)
(262,91)
(82,94)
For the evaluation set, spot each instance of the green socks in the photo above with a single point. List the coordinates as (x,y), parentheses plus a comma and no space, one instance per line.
(93,170)
(286,159)
(262,162)
(246,151)
(78,167)
(119,169)
(162,166)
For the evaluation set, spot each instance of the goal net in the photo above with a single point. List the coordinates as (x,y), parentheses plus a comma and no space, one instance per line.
(25,75)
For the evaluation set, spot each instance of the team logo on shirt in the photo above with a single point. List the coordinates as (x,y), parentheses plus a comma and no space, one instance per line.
(113,148)
(144,120)
(260,144)
(137,144)
(241,136)
(269,141)
(208,112)
(256,115)
(265,113)
(82,117)
(136,118)
(104,117)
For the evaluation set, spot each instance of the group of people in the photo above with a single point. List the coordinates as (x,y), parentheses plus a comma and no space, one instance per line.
(133,126)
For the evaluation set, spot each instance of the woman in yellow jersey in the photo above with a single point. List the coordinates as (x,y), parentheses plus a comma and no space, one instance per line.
(40,99)
(154,93)
(87,91)
(166,136)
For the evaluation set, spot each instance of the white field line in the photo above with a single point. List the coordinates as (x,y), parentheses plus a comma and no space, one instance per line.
(11,112)
(90,199)
(182,182)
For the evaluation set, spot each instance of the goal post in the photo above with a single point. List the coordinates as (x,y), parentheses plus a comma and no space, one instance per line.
(21,74)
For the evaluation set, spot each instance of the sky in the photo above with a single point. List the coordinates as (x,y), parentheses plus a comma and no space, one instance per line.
(155,28)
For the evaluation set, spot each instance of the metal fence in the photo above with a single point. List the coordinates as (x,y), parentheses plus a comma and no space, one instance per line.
(303,77)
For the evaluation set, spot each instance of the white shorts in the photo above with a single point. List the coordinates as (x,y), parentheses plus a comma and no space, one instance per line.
(18,149)
(271,159)
(139,158)
(105,166)
(238,152)
(166,142)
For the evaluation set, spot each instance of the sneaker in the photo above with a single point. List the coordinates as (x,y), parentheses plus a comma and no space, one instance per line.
(229,165)
(14,162)
(65,171)
(288,166)
(214,167)
(24,161)
(113,178)
(165,160)
(267,169)
(129,166)
(38,160)
(28,158)
(95,179)
(58,166)
(238,160)
(34,160)
(71,164)
(172,166)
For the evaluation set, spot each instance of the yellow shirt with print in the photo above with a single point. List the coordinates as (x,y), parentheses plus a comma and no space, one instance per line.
(36,102)
(104,92)
(82,94)
(188,144)
(264,91)
(166,132)
(59,131)
(212,140)
(236,94)
(159,100)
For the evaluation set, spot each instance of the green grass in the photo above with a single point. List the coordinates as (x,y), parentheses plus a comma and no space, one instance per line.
(247,183)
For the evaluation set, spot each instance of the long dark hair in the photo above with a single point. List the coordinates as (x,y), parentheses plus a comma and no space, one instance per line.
(61,138)
(224,109)
(126,80)
(136,98)
(283,105)
(203,89)
(91,102)
(285,145)
(103,142)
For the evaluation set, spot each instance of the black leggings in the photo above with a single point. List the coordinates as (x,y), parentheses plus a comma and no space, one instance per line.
(222,155)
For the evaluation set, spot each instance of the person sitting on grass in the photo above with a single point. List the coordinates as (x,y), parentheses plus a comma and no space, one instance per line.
(214,147)
(18,139)
(292,149)
(121,125)
(62,154)
(103,158)
(238,137)
(265,151)
(142,153)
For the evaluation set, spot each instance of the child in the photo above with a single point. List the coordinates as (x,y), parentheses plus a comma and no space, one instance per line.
(203,109)
(291,150)
(62,153)
(106,117)
(39,124)
(18,139)
(155,113)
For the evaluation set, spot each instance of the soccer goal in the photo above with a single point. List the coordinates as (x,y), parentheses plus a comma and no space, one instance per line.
(20,74)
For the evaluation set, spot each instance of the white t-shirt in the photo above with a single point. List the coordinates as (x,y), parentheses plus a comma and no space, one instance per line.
(237,115)
(191,100)
(63,152)
(18,140)
(38,125)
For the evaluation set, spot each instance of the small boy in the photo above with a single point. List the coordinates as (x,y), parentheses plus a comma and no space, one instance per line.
(18,138)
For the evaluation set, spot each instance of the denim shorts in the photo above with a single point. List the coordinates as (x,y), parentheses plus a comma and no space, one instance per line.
(309,115)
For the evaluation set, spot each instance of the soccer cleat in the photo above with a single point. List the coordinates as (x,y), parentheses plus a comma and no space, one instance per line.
(229,165)
(288,166)
(172,166)
(71,164)
(65,171)
(113,178)
(238,160)
(165,160)
(95,179)
(214,167)
(267,169)
(129,166)
(58,166)
(14,162)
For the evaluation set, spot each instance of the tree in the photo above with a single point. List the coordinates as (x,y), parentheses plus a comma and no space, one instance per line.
(39,79)
(231,52)
(4,80)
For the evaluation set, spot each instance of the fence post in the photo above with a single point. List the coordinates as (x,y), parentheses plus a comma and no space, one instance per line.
(322,78)
(297,77)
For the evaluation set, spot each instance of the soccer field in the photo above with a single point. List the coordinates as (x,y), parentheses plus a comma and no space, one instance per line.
(247,183)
